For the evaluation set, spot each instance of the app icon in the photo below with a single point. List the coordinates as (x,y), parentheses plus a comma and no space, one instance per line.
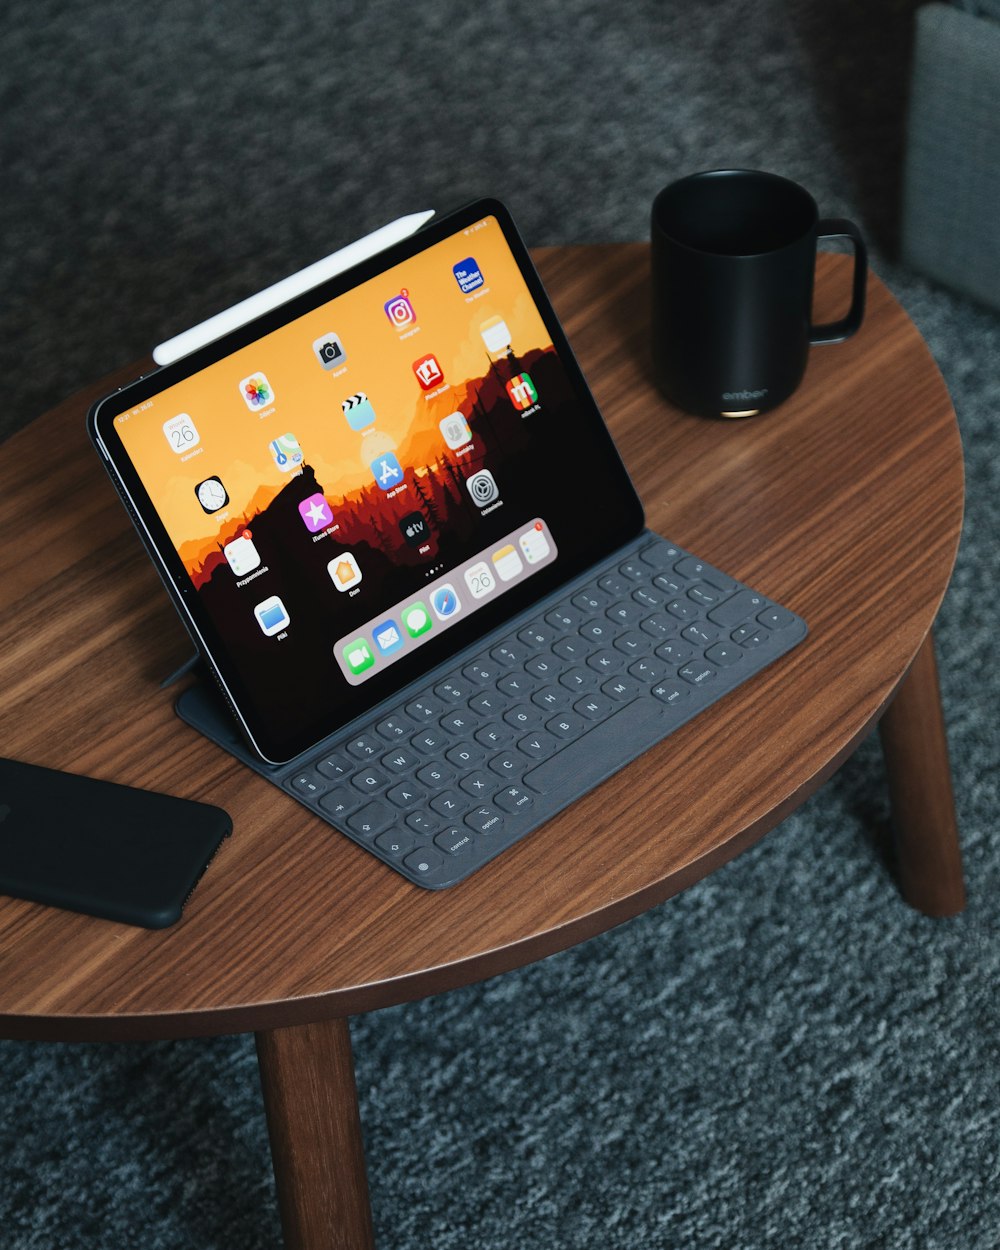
(358,656)
(416,620)
(415,529)
(181,433)
(286,452)
(455,430)
(387,637)
(256,391)
(534,544)
(387,470)
(467,275)
(330,351)
(429,372)
(480,580)
(315,513)
(507,562)
(522,391)
(242,555)
(399,310)
(496,336)
(359,411)
(483,488)
(211,494)
(344,571)
(271,615)
(445,602)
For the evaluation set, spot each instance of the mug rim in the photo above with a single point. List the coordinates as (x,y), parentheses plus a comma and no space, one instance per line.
(706,175)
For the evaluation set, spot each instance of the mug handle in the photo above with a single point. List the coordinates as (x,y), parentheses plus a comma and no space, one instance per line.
(837,331)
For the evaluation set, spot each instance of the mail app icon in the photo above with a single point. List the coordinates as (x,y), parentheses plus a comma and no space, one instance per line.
(387,637)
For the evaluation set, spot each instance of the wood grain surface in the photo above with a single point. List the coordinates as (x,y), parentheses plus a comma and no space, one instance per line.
(845,504)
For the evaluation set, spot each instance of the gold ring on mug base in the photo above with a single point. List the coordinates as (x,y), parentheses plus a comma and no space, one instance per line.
(747,412)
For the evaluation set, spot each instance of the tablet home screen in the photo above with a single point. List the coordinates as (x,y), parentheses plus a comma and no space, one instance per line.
(350,487)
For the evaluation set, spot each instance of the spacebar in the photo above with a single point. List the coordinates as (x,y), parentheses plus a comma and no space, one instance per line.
(599,751)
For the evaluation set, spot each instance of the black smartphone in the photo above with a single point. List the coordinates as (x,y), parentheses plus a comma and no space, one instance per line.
(104,849)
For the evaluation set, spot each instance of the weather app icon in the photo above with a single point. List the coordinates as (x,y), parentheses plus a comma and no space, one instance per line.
(467,275)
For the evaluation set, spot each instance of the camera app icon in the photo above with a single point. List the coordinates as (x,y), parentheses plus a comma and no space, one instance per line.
(483,488)
(329,351)
(399,310)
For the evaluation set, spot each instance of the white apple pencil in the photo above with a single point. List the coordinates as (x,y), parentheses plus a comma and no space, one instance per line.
(187,341)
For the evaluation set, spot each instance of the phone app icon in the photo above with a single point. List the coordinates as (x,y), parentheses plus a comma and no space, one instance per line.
(344,571)
(496,336)
(358,411)
(329,351)
(483,488)
(387,637)
(416,620)
(534,544)
(507,562)
(522,391)
(315,513)
(429,372)
(272,616)
(399,310)
(455,430)
(467,275)
(242,555)
(480,580)
(445,602)
(286,452)
(387,471)
(415,529)
(257,391)
(180,433)
(211,494)
(358,656)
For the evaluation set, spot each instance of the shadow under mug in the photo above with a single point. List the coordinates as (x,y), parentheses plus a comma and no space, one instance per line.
(734,258)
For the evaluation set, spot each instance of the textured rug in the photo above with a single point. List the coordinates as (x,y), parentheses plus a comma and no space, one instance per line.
(785,1055)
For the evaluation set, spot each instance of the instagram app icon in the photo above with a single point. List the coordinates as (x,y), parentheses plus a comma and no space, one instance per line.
(399,310)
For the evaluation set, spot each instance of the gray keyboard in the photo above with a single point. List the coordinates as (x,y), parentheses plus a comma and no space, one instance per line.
(511,733)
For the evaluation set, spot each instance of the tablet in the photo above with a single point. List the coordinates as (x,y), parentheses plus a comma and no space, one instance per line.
(347,491)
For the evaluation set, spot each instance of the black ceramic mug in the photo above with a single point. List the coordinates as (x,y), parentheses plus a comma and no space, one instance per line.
(734,256)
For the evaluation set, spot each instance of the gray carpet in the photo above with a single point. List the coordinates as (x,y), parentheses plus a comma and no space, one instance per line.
(783,1056)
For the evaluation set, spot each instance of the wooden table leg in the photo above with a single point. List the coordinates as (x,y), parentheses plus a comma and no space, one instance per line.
(923,806)
(311,1101)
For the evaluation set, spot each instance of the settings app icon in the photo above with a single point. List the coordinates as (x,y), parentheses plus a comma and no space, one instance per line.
(483,488)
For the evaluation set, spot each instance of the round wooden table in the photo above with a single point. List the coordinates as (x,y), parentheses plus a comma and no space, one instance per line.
(845,504)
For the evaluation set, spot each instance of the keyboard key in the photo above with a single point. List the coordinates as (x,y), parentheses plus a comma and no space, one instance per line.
(724,654)
(334,767)
(572,649)
(430,742)
(579,679)
(633,643)
(700,633)
(668,584)
(545,667)
(648,669)
(395,842)
(647,598)
(591,600)
(675,652)
(402,760)
(394,727)
(598,631)
(659,626)
(467,755)
(621,689)
(478,784)
(365,747)
(369,779)
(735,610)
(340,803)
(594,706)
(748,636)
(689,566)
(495,735)
(551,697)
(520,685)
(449,804)
(658,555)
(424,859)
(524,716)
(309,784)
(405,795)
(566,725)
(683,610)
(633,570)
(565,617)
(627,613)
(371,819)
(670,692)
(423,823)
(606,661)
(537,745)
(424,709)
(435,775)
(537,635)
(459,724)
(615,585)
(510,654)
(704,595)
(481,673)
(489,702)
(776,617)
(513,799)
(509,764)
(454,841)
(484,819)
(697,672)
(453,690)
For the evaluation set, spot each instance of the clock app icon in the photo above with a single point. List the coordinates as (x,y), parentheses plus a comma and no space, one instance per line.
(211,494)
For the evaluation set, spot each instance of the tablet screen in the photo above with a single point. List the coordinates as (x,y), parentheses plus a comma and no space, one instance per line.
(344,495)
